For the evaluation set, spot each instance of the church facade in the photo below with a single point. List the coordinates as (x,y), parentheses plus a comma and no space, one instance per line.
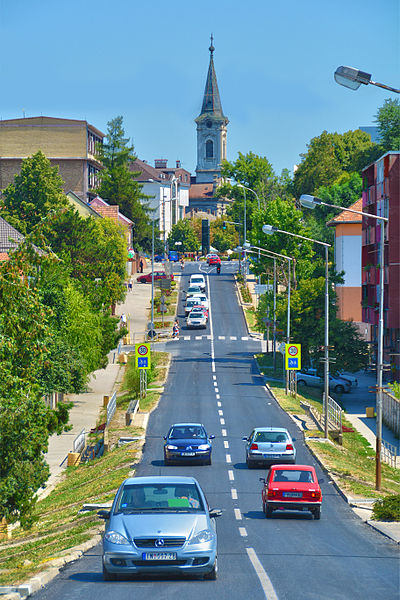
(211,149)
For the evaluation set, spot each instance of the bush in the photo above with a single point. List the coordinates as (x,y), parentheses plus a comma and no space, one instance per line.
(387,509)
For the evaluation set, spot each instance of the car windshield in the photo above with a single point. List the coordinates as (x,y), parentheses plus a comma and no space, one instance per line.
(293,475)
(183,432)
(170,497)
(271,436)
(197,280)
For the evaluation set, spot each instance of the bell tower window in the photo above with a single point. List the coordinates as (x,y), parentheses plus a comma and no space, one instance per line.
(209,149)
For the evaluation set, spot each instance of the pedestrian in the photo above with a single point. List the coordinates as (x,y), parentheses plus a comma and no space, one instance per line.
(123,320)
(130,285)
(141,265)
(175,329)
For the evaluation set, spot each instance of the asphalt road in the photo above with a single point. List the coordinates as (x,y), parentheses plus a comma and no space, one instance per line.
(213,380)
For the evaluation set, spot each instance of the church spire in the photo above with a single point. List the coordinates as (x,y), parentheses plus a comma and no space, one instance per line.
(211,100)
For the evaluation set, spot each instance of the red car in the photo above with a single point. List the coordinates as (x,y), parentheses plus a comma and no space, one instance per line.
(291,487)
(157,275)
(214,260)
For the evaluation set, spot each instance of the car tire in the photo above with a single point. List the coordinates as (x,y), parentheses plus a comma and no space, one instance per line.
(107,576)
(167,462)
(339,389)
(317,513)
(301,382)
(208,461)
(268,511)
(213,574)
(249,464)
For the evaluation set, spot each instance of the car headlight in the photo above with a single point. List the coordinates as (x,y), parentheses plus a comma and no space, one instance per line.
(207,535)
(115,538)
(204,446)
(171,447)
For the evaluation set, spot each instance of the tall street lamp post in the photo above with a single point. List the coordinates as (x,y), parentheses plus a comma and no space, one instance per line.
(353,78)
(311,202)
(245,187)
(269,229)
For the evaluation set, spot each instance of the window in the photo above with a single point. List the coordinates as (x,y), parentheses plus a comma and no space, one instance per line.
(209,149)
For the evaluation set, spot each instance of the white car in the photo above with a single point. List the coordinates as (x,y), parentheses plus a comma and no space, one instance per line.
(190,303)
(200,309)
(196,318)
(203,300)
(193,289)
(198,279)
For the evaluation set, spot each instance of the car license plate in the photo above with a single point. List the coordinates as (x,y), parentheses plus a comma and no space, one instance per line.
(292,494)
(159,555)
(272,455)
(188,454)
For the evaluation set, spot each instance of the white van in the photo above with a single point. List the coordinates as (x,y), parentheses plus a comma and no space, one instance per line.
(198,279)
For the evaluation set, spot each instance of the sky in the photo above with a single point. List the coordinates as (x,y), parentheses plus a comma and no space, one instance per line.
(148,62)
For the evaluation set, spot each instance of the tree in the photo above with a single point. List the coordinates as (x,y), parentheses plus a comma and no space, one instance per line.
(388,120)
(223,235)
(36,193)
(331,154)
(118,183)
(183,232)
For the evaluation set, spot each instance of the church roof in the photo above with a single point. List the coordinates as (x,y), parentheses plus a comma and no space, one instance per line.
(211,99)
(201,191)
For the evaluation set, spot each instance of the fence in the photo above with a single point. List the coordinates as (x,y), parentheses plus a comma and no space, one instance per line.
(391,412)
(390,454)
(334,414)
(111,407)
(79,442)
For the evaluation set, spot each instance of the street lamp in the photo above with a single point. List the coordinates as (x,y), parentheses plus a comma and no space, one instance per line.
(245,187)
(311,202)
(353,78)
(270,229)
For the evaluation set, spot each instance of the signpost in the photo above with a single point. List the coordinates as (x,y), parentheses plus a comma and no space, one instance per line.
(292,357)
(143,363)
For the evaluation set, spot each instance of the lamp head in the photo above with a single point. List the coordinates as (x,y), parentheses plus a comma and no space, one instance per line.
(309,201)
(351,78)
(269,229)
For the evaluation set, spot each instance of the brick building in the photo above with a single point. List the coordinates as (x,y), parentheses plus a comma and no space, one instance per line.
(71,144)
(381,196)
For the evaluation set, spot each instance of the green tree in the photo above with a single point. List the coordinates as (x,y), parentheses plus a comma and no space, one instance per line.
(118,183)
(223,237)
(36,193)
(183,232)
(388,120)
(331,154)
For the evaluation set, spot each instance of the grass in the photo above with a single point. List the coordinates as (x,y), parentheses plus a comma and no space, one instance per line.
(353,463)
(251,318)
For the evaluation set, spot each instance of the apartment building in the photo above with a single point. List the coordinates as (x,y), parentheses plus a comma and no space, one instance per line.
(69,143)
(381,196)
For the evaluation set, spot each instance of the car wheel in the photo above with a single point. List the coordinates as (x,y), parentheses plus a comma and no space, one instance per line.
(317,513)
(208,461)
(268,511)
(301,382)
(339,389)
(167,462)
(212,575)
(107,576)
(249,464)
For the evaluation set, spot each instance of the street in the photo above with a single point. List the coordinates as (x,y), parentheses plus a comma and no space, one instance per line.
(214,380)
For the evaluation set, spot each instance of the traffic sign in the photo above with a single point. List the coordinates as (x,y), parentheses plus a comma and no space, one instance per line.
(293,357)
(142,356)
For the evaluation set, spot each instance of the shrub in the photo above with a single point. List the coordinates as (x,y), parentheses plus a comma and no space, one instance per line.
(387,509)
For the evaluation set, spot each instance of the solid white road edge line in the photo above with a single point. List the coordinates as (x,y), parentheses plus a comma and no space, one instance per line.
(265,581)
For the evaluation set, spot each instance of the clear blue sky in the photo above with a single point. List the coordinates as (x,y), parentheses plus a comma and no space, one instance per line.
(148,61)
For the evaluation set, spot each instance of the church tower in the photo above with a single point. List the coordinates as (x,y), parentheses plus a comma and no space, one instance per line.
(211,130)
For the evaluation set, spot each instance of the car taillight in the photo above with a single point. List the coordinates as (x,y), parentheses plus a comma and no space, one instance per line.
(271,493)
(316,495)
(254,447)
(289,446)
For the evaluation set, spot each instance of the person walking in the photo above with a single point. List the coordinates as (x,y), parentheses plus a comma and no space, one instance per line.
(141,265)
(175,329)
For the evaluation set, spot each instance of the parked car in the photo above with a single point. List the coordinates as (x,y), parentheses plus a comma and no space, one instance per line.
(157,275)
(309,377)
(348,377)
(158,258)
(190,303)
(187,441)
(196,320)
(269,446)
(160,525)
(198,279)
(291,487)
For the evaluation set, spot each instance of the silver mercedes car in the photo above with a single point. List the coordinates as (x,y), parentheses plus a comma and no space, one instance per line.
(159,525)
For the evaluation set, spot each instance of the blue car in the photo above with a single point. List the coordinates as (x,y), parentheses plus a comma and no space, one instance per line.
(187,442)
(159,525)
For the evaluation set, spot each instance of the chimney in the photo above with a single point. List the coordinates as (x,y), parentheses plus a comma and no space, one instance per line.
(160,163)
(178,164)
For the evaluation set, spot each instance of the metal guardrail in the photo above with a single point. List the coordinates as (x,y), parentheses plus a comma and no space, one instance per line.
(335,414)
(391,412)
(111,407)
(79,442)
(390,454)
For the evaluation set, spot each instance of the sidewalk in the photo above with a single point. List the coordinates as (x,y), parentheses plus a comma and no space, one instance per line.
(103,382)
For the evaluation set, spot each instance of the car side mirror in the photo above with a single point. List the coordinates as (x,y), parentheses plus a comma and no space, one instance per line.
(262,479)
(215,512)
(164,437)
(322,480)
(103,514)
(293,439)
(245,439)
(212,437)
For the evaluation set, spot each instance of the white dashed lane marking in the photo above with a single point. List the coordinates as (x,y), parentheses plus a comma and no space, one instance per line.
(231,475)
(221,413)
(242,531)
(234,494)
(226,444)
(238,514)
(222,421)
(228,458)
